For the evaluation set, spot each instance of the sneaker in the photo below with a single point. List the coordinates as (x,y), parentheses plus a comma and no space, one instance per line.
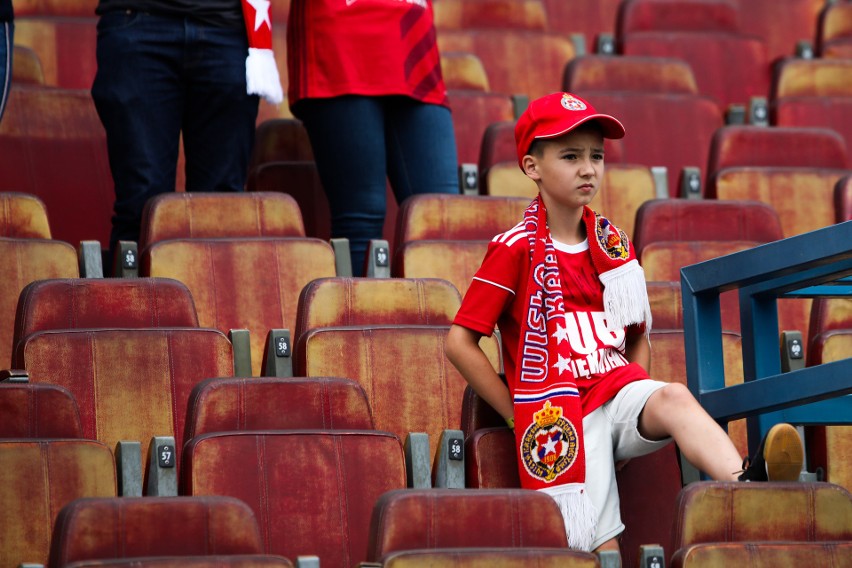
(779,456)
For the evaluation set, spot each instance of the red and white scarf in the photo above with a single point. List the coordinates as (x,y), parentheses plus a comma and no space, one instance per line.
(548,412)
(261,70)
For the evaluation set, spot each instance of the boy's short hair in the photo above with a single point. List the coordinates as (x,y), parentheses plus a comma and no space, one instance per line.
(557,114)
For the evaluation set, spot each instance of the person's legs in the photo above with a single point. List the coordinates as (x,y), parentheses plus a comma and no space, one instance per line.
(138,96)
(218,116)
(7,41)
(421,148)
(348,141)
(600,479)
(673,411)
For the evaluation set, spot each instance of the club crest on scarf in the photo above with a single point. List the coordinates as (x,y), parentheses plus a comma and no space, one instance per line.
(612,240)
(549,446)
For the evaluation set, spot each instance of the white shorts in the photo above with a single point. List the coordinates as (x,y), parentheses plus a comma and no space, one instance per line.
(610,434)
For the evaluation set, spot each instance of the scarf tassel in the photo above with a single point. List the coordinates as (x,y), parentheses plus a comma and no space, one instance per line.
(262,75)
(578,512)
(625,296)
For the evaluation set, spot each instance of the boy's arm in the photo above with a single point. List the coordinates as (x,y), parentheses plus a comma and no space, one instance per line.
(463,351)
(638,350)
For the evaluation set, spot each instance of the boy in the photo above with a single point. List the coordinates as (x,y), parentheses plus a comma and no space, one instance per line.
(569,298)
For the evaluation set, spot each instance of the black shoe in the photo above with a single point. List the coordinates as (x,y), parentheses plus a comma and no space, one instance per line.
(779,456)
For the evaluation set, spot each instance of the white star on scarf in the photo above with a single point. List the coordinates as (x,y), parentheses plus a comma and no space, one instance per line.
(261,13)
(561,334)
(562,364)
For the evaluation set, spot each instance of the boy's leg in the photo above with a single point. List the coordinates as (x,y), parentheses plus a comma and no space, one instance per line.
(673,411)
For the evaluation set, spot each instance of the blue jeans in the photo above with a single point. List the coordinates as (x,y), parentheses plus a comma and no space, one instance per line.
(158,77)
(7,35)
(361,142)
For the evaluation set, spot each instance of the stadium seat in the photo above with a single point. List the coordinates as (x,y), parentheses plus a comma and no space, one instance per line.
(489,557)
(301,510)
(705,220)
(409,383)
(209,215)
(125,527)
(452,260)
(37,479)
(38,411)
(473,112)
(763,554)
(442,519)
(230,561)
(270,403)
(718,512)
(26,67)
(463,71)
(66,8)
(490,14)
(24,261)
(282,139)
(835,31)
(592,19)
(729,65)
(65,42)
(87,303)
(326,302)
(668,123)
(243,283)
(23,216)
(54,147)
(781,30)
(813,92)
(130,384)
(529,62)
(457,217)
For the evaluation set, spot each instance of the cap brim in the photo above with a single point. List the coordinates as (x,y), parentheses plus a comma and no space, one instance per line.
(612,128)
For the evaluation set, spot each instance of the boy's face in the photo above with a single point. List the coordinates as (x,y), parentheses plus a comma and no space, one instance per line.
(568,169)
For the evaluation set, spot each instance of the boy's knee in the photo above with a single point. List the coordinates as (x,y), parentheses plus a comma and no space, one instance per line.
(675,394)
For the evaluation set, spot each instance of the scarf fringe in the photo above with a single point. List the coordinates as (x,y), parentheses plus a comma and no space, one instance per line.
(578,512)
(625,296)
(262,75)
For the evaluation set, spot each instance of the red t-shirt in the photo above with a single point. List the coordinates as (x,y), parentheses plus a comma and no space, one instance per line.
(363,47)
(497,297)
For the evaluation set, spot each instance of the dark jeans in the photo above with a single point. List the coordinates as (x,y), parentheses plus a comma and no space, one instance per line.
(361,142)
(158,77)
(7,35)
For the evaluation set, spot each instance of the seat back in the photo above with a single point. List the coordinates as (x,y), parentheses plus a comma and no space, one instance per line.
(589,18)
(345,301)
(125,527)
(835,31)
(85,303)
(489,557)
(188,215)
(37,479)
(300,511)
(457,217)
(763,554)
(281,139)
(65,42)
(24,261)
(442,518)
(54,147)
(410,385)
(130,384)
(636,73)
(38,411)
(473,112)
(705,220)
(454,261)
(23,216)
(228,404)
(741,512)
(490,14)
(781,30)
(243,283)
(230,561)
(843,199)
(463,71)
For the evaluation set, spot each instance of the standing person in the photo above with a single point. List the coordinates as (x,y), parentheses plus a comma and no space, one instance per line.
(168,68)
(569,297)
(365,79)
(7,37)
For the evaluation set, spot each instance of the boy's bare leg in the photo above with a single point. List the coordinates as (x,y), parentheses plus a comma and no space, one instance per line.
(611,544)
(673,411)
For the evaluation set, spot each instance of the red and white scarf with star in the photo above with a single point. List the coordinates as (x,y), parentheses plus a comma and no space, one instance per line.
(548,412)
(261,70)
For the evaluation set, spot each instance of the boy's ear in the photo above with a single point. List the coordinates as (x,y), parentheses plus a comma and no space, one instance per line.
(530,165)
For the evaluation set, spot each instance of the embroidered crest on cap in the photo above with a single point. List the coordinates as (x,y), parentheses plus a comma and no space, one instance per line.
(611,239)
(549,446)
(571,103)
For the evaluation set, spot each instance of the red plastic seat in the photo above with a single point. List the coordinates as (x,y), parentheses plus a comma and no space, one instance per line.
(781,30)
(23,216)
(835,31)
(38,411)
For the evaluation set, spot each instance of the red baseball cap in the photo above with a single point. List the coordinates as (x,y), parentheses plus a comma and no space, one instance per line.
(557,114)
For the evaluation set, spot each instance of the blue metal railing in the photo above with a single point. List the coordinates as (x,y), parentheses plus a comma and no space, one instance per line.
(814,264)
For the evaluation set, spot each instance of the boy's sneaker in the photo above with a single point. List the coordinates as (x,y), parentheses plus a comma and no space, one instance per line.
(779,456)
